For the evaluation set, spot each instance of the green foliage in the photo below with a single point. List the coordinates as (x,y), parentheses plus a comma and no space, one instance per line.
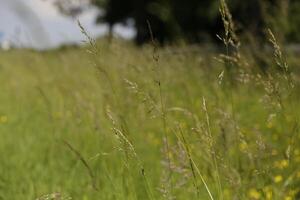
(196,20)
(294,22)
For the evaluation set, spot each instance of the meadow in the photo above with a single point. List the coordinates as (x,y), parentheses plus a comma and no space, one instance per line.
(116,121)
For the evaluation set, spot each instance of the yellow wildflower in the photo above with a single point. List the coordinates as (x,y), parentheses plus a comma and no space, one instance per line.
(226,193)
(297,155)
(152,139)
(298,174)
(3,119)
(270,125)
(57,115)
(282,164)
(243,146)
(254,194)
(268,192)
(278,179)
(293,193)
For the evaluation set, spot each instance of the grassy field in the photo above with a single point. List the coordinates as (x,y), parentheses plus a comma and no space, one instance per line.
(113,121)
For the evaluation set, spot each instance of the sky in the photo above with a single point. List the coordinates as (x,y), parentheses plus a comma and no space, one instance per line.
(38,24)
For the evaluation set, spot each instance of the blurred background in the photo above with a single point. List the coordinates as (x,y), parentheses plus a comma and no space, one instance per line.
(41,24)
(50,23)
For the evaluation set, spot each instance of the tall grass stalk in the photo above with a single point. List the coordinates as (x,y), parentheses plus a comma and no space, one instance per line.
(194,168)
(213,150)
(159,82)
(122,137)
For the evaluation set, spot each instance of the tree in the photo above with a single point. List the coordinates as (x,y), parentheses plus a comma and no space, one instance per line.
(71,7)
(193,20)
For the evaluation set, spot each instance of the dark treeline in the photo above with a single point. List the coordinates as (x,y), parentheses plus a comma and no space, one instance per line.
(199,20)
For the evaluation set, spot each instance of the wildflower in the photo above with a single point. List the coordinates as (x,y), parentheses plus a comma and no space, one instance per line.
(298,175)
(268,192)
(57,115)
(152,139)
(293,193)
(226,194)
(254,194)
(269,195)
(3,119)
(282,164)
(274,152)
(270,125)
(278,179)
(243,146)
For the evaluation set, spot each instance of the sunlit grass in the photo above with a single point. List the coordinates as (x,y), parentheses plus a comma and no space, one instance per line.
(93,124)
